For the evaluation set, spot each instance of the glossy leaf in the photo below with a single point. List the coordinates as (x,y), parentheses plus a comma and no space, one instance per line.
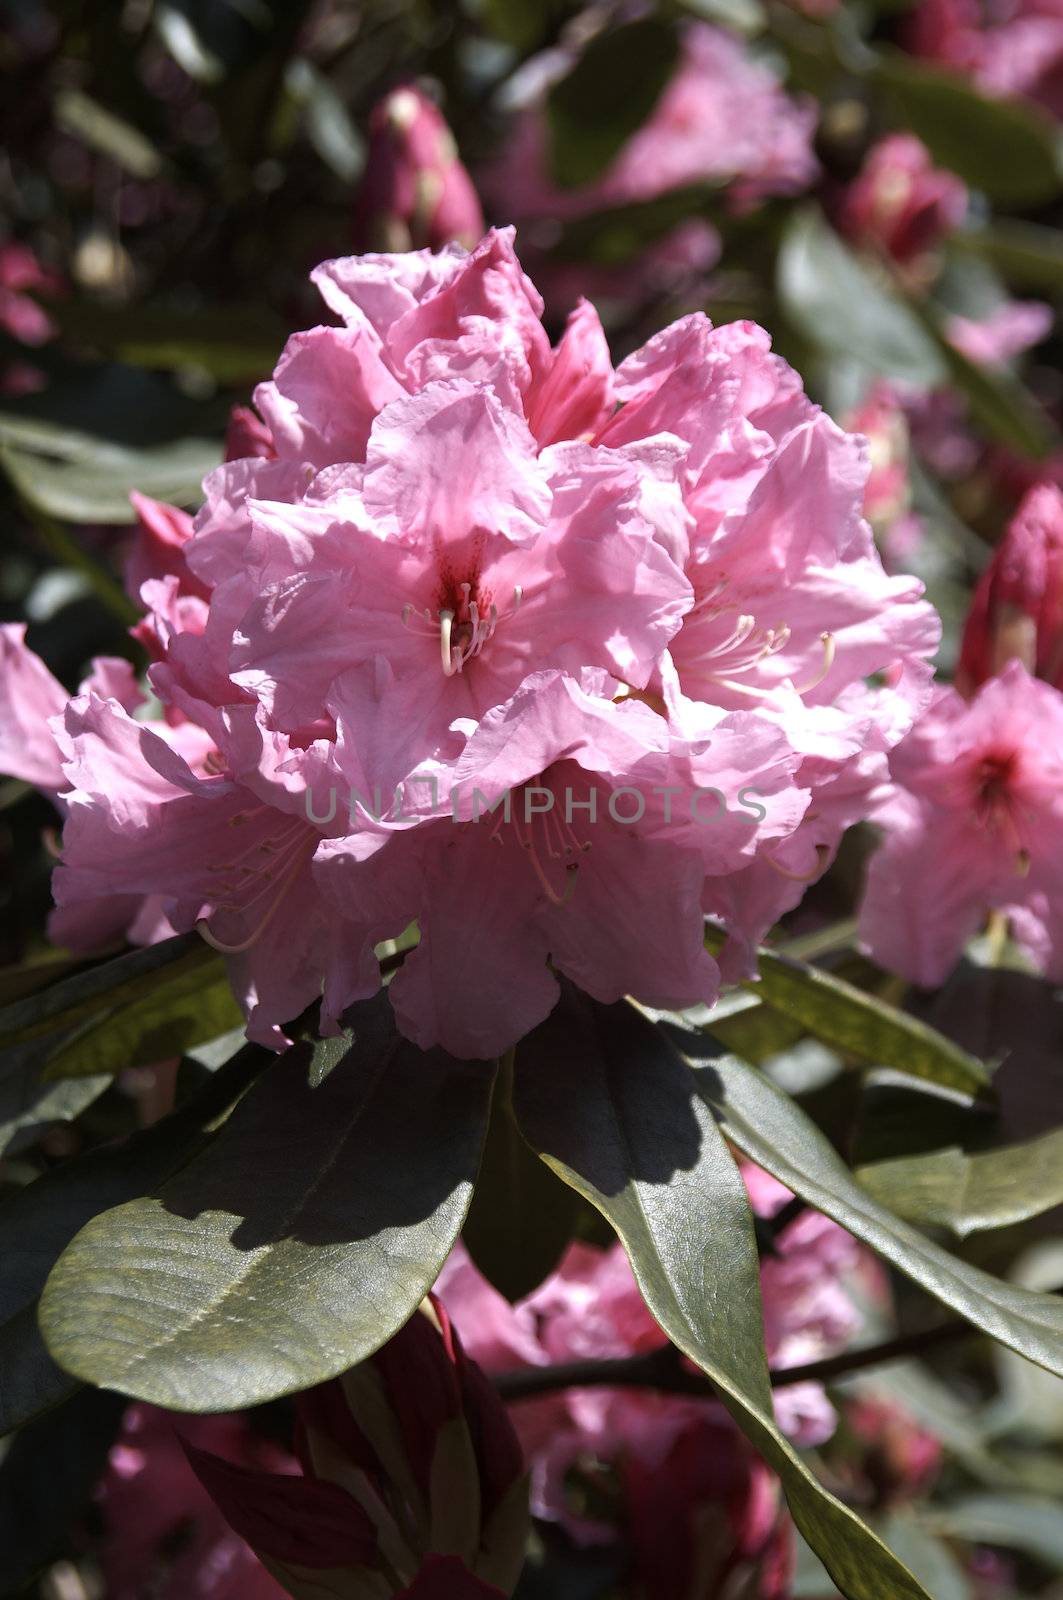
(28,1105)
(768,1127)
(522,1215)
(188,1004)
(96,488)
(1026,1522)
(970,1192)
(831,298)
(294,1245)
(1006,148)
(607,96)
(864,1026)
(611,1106)
(39,1221)
(108,983)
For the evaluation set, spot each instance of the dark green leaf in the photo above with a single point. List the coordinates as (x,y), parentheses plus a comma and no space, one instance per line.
(864,1026)
(612,237)
(769,1128)
(1017,1521)
(235,344)
(969,1192)
(522,1216)
(46,1482)
(1028,254)
(833,300)
(612,1107)
(108,983)
(38,1222)
(1007,148)
(96,487)
(28,1106)
(188,1004)
(111,136)
(607,96)
(294,1245)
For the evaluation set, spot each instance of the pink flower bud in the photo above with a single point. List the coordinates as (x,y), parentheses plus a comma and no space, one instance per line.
(901,203)
(1017,610)
(900,1459)
(415,192)
(412,1473)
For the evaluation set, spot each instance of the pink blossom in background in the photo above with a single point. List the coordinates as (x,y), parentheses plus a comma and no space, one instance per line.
(1017,609)
(723,119)
(415,192)
(898,1458)
(1016,326)
(975,825)
(692,1495)
(677,597)
(1011,50)
(888,496)
(902,204)
(21,278)
(163,1535)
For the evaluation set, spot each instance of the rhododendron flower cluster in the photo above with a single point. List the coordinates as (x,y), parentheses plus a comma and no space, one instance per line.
(689,1495)
(973,824)
(903,205)
(549,658)
(1009,50)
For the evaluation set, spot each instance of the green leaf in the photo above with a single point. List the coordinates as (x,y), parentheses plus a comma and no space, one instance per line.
(969,1193)
(47,1478)
(235,344)
(188,1004)
(1028,254)
(607,96)
(768,1127)
(522,1216)
(39,1221)
(862,1025)
(28,1106)
(831,298)
(294,1245)
(111,136)
(109,983)
(1017,1521)
(613,1108)
(1006,148)
(96,487)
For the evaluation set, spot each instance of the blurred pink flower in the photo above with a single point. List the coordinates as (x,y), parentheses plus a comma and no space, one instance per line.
(163,1535)
(1014,327)
(901,204)
(975,825)
(1014,49)
(1017,609)
(415,191)
(21,277)
(882,420)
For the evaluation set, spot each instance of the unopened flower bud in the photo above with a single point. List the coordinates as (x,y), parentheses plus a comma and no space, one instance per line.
(413,1481)
(1017,610)
(901,204)
(415,192)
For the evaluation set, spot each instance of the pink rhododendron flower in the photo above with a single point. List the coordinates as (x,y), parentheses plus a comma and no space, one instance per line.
(975,825)
(449,613)
(1017,610)
(692,1495)
(163,1535)
(901,204)
(415,191)
(1010,50)
(22,276)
